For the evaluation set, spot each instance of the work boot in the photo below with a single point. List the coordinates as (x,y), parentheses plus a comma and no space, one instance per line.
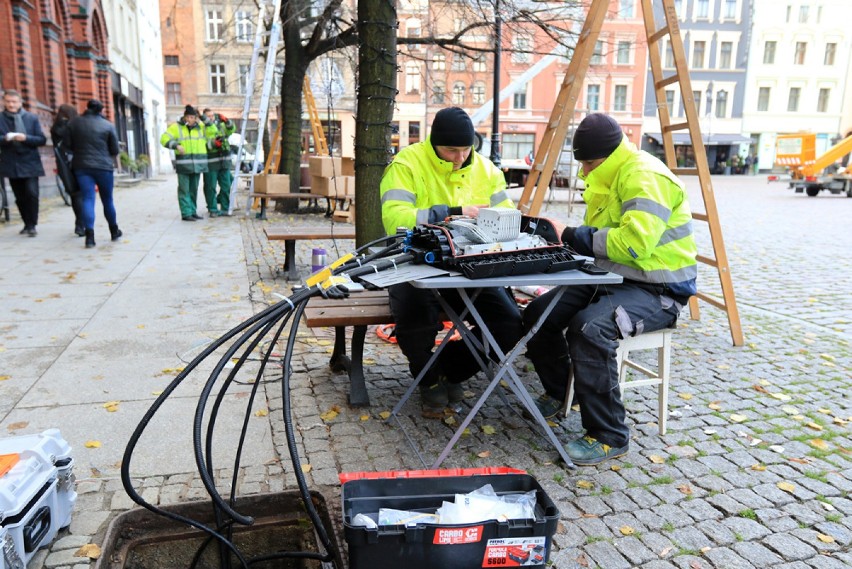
(79,230)
(589,450)
(115,233)
(433,399)
(90,238)
(455,391)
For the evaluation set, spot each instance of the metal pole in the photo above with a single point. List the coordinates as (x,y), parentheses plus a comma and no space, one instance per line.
(495,113)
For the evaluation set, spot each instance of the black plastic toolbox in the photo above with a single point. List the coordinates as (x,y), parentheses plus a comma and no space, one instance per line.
(512,543)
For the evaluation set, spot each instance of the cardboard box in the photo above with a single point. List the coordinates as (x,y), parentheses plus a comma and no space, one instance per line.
(325,166)
(350,185)
(347,166)
(272,184)
(332,187)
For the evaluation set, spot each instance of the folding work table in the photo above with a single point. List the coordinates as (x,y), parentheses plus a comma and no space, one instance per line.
(468,289)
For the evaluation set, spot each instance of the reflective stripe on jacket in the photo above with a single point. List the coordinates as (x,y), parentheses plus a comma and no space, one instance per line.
(418,187)
(194,142)
(643,221)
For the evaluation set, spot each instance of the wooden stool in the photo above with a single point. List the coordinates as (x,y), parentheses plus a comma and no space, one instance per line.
(661,340)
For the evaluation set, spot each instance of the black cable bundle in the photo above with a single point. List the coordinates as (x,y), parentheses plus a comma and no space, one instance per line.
(241,342)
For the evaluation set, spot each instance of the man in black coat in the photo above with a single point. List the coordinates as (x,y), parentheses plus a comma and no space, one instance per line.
(20,137)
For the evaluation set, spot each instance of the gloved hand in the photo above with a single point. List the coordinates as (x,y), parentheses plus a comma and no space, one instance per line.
(334,292)
(223,118)
(567,236)
(579,239)
(218,142)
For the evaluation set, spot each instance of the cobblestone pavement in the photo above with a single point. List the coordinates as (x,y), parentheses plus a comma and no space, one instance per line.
(756,468)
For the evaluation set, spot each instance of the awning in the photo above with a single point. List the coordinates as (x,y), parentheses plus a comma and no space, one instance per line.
(721,139)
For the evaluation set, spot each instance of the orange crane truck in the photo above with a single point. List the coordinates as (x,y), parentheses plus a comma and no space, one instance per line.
(810,173)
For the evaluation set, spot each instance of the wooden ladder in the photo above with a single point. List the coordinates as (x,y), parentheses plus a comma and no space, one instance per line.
(547,155)
(320,143)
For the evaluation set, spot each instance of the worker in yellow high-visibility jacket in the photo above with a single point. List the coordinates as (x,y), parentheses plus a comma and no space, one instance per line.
(188,139)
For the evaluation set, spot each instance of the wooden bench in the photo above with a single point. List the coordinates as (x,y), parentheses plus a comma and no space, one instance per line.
(359,310)
(292,234)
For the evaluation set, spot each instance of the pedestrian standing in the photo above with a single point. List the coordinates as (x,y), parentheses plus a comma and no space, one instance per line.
(20,162)
(63,156)
(188,139)
(94,143)
(218,163)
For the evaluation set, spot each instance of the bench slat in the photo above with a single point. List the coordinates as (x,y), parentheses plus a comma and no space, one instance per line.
(283,233)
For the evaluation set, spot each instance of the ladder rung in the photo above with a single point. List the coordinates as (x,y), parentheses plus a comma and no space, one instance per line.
(707,260)
(655,37)
(700,216)
(676,126)
(667,81)
(685,171)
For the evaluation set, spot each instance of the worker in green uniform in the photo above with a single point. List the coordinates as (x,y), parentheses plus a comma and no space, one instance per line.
(187,138)
(218,163)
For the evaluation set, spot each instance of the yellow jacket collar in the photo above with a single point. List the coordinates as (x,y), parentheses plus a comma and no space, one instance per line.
(606,172)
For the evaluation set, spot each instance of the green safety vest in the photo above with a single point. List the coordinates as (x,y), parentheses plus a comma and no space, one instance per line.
(418,183)
(218,158)
(194,142)
(643,220)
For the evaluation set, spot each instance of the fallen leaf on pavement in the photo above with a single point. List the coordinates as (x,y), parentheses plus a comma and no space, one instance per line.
(825,411)
(262,412)
(827,506)
(760,388)
(764,382)
(781,396)
(585,484)
(615,468)
(93,444)
(695,564)
(384,414)
(364,417)
(666,551)
(626,530)
(800,460)
(484,454)
(825,538)
(90,550)
(5,377)
(786,486)
(819,443)
(790,410)
(815,426)
(685,489)
(685,396)
(776,448)
(306,468)
(331,413)
(582,561)
(111,406)
(715,406)
(18,425)
(737,418)
(758,467)
(488,429)
(657,459)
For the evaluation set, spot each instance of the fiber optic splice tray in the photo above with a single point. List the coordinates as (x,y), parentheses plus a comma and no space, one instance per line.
(492,543)
(36,494)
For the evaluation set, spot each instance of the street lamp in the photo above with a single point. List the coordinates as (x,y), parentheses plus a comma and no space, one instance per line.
(495,113)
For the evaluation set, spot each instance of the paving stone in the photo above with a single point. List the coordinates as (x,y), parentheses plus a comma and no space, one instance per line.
(789,546)
(811,537)
(726,504)
(757,554)
(606,555)
(749,498)
(634,550)
(592,505)
(724,557)
(659,564)
(745,529)
(826,562)
(841,533)
(720,534)
(642,497)
(689,538)
(700,510)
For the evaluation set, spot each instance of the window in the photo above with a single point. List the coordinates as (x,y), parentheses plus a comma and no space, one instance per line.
(277,78)
(789,9)
(670,94)
(458,62)
(669,55)
(828,58)
(477,93)
(479,63)
(769,52)
(793,99)
(458,94)
(439,62)
(623,54)
(702,9)
(516,146)
(174,61)
(243,78)
(763,99)
(519,99)
(822,101)
(801,49)
(215,25)
(696,100)
(803,14)
(412,78)
(625,9)
(721,104)
(244,26)
(217,79)
(593,95)
(698,48)
(173,94)
(413,132)
(597,54)
(438,94)
(725,55)
(521,46)
(619,101)
(730,9)
(414,31)
(678,7)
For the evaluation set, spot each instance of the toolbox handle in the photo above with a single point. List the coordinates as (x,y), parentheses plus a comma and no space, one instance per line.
(36,529)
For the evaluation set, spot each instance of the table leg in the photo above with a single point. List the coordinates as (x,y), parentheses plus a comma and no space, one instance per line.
(291,273)
(358,396)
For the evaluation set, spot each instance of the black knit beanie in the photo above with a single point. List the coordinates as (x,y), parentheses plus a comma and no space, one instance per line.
(190,111)
(597,137)
(452,127)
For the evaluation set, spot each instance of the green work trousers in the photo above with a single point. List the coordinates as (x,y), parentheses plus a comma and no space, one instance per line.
(187,193)
(222,177)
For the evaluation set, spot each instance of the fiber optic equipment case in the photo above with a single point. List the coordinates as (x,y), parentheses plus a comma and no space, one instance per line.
(36,494)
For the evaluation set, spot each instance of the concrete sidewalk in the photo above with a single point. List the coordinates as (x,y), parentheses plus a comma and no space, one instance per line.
(83,328)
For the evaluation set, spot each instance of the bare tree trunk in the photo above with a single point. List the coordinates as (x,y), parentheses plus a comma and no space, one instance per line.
(376,94)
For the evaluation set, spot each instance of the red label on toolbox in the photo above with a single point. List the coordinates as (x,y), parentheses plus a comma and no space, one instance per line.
(453,536)
(514,552)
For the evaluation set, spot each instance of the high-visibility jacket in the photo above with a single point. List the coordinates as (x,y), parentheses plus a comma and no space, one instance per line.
(418,187)
(218,147)
(194,142)
(638,222)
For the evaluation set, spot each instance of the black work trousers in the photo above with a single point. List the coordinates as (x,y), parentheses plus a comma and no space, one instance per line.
(417,314)
(26,196)
(583,330)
